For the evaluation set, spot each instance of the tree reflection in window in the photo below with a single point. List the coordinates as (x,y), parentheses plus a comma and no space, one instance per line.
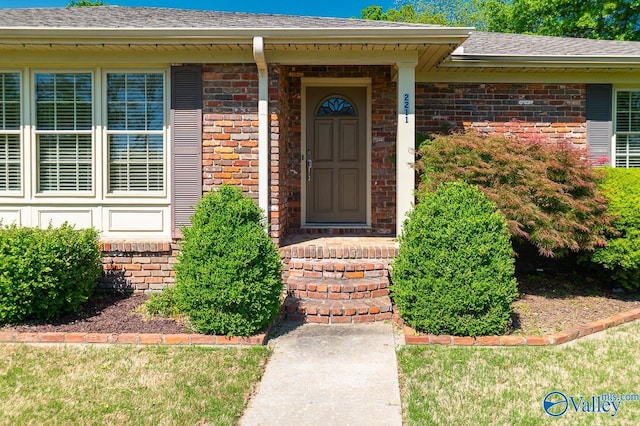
(336,106)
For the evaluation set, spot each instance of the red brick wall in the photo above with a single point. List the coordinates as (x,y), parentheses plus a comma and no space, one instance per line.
(279,154)
(140,267)
(550,111)
(230,133)
(230,127)
(383,181)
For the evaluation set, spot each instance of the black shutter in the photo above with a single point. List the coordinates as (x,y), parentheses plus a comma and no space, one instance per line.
(599,124)
(186,140)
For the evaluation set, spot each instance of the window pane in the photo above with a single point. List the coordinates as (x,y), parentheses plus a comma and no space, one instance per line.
(136,163)
(10,179)
(63,102)
(10,121)
(135,101)
(10,101)
(65,163)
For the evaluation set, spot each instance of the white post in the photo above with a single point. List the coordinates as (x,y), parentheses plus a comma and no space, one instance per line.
(263,125)
(405,143)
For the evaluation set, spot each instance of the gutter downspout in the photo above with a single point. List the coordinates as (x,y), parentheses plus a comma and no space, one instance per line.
(263,126)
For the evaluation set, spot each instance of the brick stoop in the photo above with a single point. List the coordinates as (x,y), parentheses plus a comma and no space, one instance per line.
(338,280)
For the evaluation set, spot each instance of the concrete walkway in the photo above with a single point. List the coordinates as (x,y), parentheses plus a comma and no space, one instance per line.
(340,374)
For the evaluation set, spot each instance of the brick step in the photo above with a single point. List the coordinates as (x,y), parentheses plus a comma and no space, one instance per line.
(346,250)
(338,311)
(337,289)
(347,269)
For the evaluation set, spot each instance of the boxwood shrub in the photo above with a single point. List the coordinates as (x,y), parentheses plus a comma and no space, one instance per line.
(46,272)
(455,271)
(228,276)
(621,255)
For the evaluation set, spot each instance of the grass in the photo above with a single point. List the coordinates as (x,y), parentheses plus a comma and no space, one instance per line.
(482,386)
(93,385)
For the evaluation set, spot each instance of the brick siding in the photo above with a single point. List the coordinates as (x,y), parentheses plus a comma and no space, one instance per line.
(138,267)
(549,111)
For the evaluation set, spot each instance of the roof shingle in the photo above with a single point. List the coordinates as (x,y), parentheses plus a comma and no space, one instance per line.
(113,17)
(499,44)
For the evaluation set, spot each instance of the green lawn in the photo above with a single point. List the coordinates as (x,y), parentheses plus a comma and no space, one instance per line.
(96,385)
(506,386)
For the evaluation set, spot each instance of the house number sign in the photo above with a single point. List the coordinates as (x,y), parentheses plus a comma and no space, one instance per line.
(406,107)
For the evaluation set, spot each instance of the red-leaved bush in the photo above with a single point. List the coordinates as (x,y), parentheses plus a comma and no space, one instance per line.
(547,191)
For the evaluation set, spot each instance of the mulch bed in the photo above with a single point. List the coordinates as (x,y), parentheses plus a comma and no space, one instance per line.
(549,302)
(548,305)
(106,314)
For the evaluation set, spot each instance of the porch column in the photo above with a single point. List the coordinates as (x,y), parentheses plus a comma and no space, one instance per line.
(263,126)
(405,143)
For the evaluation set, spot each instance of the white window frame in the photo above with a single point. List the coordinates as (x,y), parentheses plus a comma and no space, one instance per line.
(20,132)
(112,214)
(163,194)
(614,145)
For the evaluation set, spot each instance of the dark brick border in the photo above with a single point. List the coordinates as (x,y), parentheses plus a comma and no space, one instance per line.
(412,337)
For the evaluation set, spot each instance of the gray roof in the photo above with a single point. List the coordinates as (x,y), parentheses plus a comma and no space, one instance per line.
(519,45)
(113,17)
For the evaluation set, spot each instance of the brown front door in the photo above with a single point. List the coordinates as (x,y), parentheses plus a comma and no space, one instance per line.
(336,154)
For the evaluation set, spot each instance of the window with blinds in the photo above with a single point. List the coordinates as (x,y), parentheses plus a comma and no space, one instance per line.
(64,136)
(135,132)
(627,126)
(10,136)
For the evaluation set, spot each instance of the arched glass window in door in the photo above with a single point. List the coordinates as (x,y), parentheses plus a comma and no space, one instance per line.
(335,105)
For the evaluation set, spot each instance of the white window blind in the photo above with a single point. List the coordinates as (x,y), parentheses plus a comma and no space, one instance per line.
(627,149)
(64,132)
(10,137)
(135,129)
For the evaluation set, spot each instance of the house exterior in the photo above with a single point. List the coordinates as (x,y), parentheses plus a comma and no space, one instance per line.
(121,118)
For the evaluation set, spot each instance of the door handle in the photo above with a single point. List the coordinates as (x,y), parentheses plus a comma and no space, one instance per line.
(309,166)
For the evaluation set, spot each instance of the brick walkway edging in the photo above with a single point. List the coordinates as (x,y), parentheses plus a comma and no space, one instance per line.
(132,338)
(185,339)
(412,337)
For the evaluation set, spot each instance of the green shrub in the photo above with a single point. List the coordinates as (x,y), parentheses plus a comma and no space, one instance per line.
(546,190)
(46,272)
(228,278)
(621,255)
(454,273)
(162,304)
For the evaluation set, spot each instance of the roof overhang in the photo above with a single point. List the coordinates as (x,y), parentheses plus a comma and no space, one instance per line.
(441,35)
(426,46)
(462,60)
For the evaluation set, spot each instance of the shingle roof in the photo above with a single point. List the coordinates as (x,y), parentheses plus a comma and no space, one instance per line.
(498,44)
(113,17)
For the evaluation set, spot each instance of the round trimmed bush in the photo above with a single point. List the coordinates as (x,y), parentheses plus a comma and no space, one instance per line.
(228,276)
(455,271)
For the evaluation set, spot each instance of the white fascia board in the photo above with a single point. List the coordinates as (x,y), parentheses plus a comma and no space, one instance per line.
(556,76)
(544,61)
(233,35)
